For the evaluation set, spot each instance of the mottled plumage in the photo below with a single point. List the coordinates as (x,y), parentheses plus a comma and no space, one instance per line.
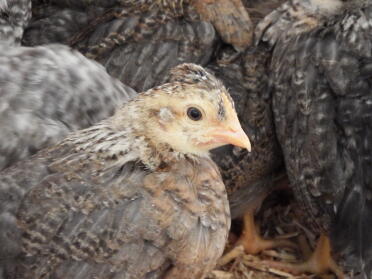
(322,105)
(47,92)
(123,199)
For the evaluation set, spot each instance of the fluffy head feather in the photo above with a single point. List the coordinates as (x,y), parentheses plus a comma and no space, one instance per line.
(160,115)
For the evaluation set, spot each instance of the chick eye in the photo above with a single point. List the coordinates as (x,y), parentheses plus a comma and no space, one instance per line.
(194,114)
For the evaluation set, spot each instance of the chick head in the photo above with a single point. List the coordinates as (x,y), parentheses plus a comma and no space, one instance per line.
(192,113)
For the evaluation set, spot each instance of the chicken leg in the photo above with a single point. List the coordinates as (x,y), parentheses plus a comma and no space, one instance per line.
(251,240)
(319,262)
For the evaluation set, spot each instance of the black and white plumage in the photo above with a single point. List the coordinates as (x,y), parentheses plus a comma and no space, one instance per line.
(47,92)
(322,105)
(295,17)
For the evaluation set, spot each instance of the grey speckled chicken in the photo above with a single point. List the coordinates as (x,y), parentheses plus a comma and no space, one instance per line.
(46,92)
(135,196)
(140,41)
(322,103)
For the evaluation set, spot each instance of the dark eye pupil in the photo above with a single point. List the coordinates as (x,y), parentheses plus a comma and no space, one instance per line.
(194,114)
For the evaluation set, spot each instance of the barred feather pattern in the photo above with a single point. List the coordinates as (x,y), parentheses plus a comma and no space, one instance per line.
(145,61)
(159,34)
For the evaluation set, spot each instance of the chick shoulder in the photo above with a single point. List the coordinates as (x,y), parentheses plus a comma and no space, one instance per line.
(294,17)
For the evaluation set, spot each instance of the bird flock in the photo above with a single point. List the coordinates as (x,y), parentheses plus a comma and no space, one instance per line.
(135,133)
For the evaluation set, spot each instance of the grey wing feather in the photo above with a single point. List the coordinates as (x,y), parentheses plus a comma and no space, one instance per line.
(144,63)
(75,228)
(47,92)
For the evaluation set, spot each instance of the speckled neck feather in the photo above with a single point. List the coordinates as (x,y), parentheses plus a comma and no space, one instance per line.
(120,147)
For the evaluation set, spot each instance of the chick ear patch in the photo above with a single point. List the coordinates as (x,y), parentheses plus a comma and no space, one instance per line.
(166,114)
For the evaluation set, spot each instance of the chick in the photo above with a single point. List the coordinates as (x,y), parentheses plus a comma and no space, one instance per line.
(135,196)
